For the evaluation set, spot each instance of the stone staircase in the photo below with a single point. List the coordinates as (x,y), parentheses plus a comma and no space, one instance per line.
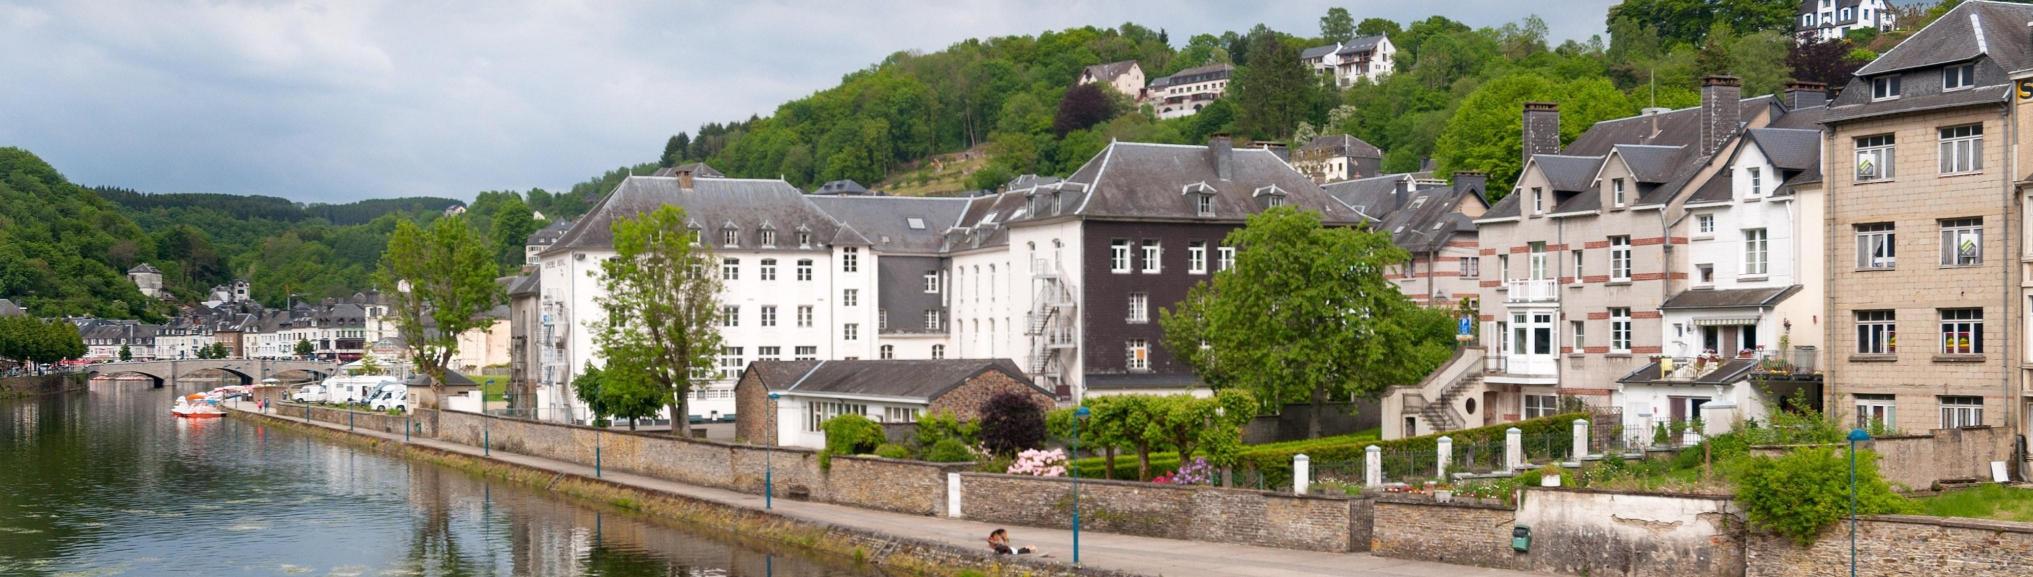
(1460,377)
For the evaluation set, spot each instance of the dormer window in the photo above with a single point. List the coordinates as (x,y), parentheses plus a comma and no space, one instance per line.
(1885,87)
(1757,180)
(730,236)
(1271,196)
(766,237)
(1959,76)
(1616,192)
(1203,198)
(804,237)
(1845,14)
(698,236)
(1538,200)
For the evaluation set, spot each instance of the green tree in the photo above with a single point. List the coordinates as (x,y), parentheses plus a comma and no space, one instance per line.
(444,273)
(1807,489)
(608,397)
(1275,91)
(510,229)
(1337,25)
(125,354)
(1305,313)
(1485,132)
(1379,26)
(304,349)
(675,149)
(662,307)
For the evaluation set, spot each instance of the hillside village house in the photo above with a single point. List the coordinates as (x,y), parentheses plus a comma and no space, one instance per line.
(1580,257)
(1830,20)
(1187,91)
(1432,220)
(1337,158)
(1125,77)
(1362,58)
(1927,230)
(893,392)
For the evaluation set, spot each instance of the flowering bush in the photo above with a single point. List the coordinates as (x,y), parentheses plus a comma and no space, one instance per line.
(1039,463)
(1196,472)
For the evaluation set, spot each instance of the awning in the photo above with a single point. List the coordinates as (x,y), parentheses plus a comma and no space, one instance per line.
(1725,321)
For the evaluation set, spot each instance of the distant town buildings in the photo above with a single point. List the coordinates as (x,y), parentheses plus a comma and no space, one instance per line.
(1187,91)
(1125,77)
(147,279)
(1337,158)
(1369,58)
(1826,20)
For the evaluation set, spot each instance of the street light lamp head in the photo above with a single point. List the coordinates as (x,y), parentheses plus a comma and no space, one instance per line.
(775,396)
(1081,412)
(1858,436)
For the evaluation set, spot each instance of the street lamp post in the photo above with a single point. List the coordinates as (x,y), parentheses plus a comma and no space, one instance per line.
(1855,436)
(768,464)
(1079,414)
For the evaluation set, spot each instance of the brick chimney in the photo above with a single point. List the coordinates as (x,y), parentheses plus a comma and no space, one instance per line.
(685,179)
(1471,179)
(1802,94)
(1223,150)
(1719,110)
(1542,129)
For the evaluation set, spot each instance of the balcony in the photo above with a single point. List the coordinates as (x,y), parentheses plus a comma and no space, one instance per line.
(1538,290)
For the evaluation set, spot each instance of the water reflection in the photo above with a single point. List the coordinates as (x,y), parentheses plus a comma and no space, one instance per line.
(107,483)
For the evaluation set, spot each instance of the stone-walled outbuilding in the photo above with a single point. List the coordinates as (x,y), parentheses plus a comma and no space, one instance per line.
(886,391)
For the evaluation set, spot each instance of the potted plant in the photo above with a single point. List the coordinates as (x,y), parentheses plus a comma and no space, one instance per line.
(1443,493)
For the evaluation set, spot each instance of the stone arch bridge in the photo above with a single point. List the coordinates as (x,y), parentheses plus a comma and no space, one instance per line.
(166,372)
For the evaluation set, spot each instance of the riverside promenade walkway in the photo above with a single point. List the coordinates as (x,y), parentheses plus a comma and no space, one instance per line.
(1130,554)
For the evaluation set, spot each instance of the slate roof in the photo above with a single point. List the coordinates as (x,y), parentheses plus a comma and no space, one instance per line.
(1651,163)
(1729,298)
(841,187)
(921,380)
(1148,181)
(698,169)
(1195,74)
(1361,44)
(710,204)
(9,309)
(550,233)
(1795,152)
(144,268)
(1991,34)
(525,285)
(1375,197)
(1429,217)
(1318,51)
(900,224)
(1345,145)
(1108,72)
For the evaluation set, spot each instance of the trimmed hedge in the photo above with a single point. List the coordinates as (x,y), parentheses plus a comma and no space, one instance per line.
(1273,461)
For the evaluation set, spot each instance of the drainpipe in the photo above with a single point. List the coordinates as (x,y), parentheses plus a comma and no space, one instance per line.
(2013,404)
(1829,370)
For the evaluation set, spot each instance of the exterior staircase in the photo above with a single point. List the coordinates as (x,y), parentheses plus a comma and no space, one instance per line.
(1050,325)
(1460,377)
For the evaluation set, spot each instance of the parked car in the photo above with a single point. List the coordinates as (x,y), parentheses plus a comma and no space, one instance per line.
(390,396)
(309,394)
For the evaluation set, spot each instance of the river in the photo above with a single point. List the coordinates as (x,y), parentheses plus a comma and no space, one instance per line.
(106,482)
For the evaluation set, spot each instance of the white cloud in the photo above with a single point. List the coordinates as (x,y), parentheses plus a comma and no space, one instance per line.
(335,101)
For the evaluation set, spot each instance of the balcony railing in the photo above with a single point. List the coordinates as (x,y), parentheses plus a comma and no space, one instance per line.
(1531,290)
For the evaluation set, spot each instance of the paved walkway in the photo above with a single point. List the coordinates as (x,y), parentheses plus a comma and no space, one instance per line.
(1143,555)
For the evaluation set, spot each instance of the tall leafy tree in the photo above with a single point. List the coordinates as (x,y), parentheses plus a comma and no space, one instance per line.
(626,398)
(438,281)
(675,149)
(1485,132)
(662,308)
(1305,313)
(510,230)
(1275,91)
(1083,106)
(1379,26)
(304,349)
(1337,25)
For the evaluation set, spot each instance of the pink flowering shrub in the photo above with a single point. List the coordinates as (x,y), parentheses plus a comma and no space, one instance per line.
(1197,472)
(1039,463)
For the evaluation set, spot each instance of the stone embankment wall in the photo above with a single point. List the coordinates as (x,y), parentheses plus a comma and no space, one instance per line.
(358,420)
(1584,532)
(40,385)
(1458,533)
(1939,455)
(1900,546)
(1262,518)
(872,482)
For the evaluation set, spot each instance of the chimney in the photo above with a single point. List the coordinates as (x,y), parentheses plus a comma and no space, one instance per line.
(685,179)
(1802,94)
(1398,189)
(1542,129)
(1471,179)
(1223,151)
(1719,103)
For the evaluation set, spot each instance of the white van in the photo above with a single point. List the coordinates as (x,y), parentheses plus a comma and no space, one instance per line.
(354,389)
(309,394)
(390,396)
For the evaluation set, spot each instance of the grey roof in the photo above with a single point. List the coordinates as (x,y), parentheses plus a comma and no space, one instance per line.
(1729,298)
(1318,51)
(1030,180)
(841,187)
(1990,34)
(1361,44)
(1430,217)
(1375,197)
(904,379)
(1730,371)
(1651,163)
(1345,145)
(710,204)
(144,268)
(550,233)
(1196,74)
(1574,169)
(9,309)
(1789,149)
(906,224)
(1680,127)
(1568,173)
(1149,181)
(698,170)
(1108,72)
(525,285)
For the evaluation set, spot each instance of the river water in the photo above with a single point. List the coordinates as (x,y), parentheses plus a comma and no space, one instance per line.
(106,483)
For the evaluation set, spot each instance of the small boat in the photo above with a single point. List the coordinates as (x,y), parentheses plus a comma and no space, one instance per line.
(195,406)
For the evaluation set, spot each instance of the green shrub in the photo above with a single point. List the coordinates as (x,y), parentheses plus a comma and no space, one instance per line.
(937,427)
(1805,491)
(949,451)
(892,451)
(849,435)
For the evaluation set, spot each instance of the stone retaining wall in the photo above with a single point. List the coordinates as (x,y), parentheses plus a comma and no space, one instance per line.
(361,420)
(872,482)
(1900,546)
(1262,518)
(41,385)
(1458,533)
(1917,462)
(1587,532)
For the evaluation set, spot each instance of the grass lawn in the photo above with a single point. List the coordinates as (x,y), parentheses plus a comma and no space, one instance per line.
(494,388)
(1981,502)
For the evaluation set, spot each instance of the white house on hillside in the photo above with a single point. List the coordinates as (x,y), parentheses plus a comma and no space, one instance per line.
(1825,20)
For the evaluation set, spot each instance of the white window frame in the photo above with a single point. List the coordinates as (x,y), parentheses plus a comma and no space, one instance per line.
(1580,267)
(1881,151)
(850,332)
(850,259)
(1704,224)
(1538,200)
(804,269)
(1886,87)
(933,320)
(1757,252)
(1118,256)
(768,269)
(1873,238)
(805,316)
(768,238)
(1962,149)
(1883,410)
(1153,254)
(1961,411)
(730,237)
(1578,334)
(1226,257)
(768,315)
(932,283)
(1196,257)
(730,269)
(1958,76)
(1757,181)
(1471,267)
(1957,232)
(1968,323)
(850,297)
(1620,258)
(1139,307)
(1877,332)
(730,315)
(1203,204)
(1620,330)
(1536,406)
(807,353)
(731,362)
(1137,356)
(938,351)
(886,352)
(1616,186)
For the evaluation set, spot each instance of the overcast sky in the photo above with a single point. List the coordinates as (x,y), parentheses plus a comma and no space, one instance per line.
(337,101)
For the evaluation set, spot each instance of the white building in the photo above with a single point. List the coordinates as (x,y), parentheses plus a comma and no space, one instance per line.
(1825,20)
(147,279)
(1189,90)
(1361,58)
(1126,77)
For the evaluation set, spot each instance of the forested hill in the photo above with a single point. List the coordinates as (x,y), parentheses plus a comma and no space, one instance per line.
(1454,96)
(273,208)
